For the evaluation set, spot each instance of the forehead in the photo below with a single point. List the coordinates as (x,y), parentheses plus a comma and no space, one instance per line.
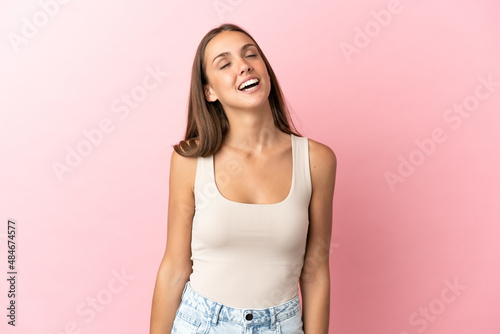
(226,41)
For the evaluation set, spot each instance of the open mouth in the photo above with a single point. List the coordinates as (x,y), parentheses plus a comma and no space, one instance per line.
(249,84)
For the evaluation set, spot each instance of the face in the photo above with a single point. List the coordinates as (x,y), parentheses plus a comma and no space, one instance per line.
(237,75)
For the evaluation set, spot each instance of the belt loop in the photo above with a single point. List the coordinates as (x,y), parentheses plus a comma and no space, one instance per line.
(216,313)
(273,318)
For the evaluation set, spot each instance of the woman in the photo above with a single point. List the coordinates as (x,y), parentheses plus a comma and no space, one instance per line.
(250,205)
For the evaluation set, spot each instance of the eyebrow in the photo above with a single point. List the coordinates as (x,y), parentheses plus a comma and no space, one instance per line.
(223,54)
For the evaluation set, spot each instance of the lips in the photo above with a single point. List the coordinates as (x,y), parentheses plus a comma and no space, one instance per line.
(248,84)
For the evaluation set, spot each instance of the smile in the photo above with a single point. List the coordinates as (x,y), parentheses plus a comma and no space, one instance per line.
(249,85)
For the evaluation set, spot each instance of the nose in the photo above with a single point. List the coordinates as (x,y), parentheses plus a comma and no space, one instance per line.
(244,67)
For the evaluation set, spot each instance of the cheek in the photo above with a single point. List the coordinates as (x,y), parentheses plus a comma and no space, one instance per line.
(225,83)
(228,80)
(266,73)
(268,78)
(220,84)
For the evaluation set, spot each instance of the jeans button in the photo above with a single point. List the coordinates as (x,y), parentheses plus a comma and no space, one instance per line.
(249,316)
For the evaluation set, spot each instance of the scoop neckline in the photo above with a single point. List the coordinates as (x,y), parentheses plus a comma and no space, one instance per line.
(212,163)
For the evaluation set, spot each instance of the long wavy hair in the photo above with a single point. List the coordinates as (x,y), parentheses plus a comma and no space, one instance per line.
(207,123)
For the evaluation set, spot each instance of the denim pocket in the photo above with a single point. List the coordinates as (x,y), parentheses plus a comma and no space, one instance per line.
(291,325)
(185,322)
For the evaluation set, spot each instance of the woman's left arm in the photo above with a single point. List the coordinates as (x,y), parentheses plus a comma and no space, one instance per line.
(315,276)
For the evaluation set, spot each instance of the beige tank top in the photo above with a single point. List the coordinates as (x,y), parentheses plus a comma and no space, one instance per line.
(250,255)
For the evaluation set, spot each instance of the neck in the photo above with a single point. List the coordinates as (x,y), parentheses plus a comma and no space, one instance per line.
(252,130)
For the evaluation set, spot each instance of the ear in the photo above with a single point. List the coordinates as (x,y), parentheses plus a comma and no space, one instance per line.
(210,95)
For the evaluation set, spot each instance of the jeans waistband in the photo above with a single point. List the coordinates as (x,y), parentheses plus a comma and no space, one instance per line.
(243,316)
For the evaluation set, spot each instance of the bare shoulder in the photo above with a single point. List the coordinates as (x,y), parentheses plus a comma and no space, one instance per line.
(181,160)
(323,167)
(182,169)
(321,157)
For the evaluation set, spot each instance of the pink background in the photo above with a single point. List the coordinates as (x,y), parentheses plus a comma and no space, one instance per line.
(397,245)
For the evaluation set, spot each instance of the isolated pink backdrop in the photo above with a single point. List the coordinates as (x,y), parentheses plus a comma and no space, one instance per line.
(416,219)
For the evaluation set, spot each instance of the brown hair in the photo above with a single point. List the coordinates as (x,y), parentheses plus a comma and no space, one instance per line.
(206,121)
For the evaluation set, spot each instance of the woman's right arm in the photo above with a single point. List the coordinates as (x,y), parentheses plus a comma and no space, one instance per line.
(176,265)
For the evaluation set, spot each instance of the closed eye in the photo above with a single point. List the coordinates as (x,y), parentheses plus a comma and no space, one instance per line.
(225,66)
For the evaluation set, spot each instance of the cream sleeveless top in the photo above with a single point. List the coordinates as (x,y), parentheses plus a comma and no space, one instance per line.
(250,255)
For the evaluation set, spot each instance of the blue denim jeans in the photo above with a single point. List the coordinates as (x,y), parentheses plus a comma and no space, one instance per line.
(198,314)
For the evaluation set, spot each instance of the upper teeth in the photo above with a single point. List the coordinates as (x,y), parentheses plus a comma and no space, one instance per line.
(247,83)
